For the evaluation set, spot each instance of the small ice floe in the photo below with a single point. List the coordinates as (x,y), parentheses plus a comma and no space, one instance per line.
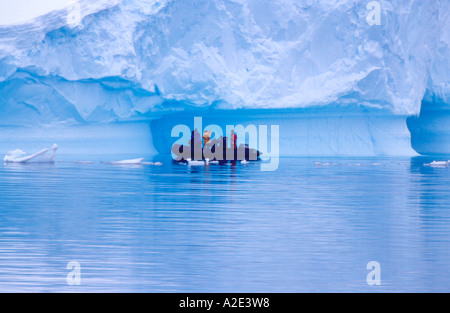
(195,163)
(84,162)
(128,162)
(152,163)
(244,162)
(43,156)
(214,162)
(322,164)
(438,164)
(376,164)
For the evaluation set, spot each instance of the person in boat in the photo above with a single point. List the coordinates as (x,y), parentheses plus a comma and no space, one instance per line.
(217,143)
(230,150)
(233,138)
(207,138)
(214,144)
(210,145)
(195,138)
(196,145)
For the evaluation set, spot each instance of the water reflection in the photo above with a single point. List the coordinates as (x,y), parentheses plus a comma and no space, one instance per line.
(313,225)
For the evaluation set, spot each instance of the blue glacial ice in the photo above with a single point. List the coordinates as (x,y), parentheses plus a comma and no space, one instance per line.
(126,72)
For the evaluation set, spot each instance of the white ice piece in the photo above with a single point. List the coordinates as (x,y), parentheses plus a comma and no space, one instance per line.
(128,162)
(43,156)
(195,163)
(438,164)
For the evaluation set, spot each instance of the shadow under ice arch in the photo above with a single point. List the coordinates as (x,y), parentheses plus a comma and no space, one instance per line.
(430,130)
(320,131)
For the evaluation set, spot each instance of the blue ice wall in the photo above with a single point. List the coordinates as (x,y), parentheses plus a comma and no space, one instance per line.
(321,131)
(28,98)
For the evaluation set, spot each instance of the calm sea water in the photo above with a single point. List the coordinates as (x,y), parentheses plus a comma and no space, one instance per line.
(303,228)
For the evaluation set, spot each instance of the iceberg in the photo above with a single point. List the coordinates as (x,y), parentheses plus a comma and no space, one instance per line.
(43,156)
(335,84)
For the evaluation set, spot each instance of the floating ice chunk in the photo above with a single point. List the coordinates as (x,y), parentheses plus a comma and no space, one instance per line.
(152,163)
(14,155)
(43,156)
(438,164)
(244,162)
(128,162)
(195,163)
(83,162)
